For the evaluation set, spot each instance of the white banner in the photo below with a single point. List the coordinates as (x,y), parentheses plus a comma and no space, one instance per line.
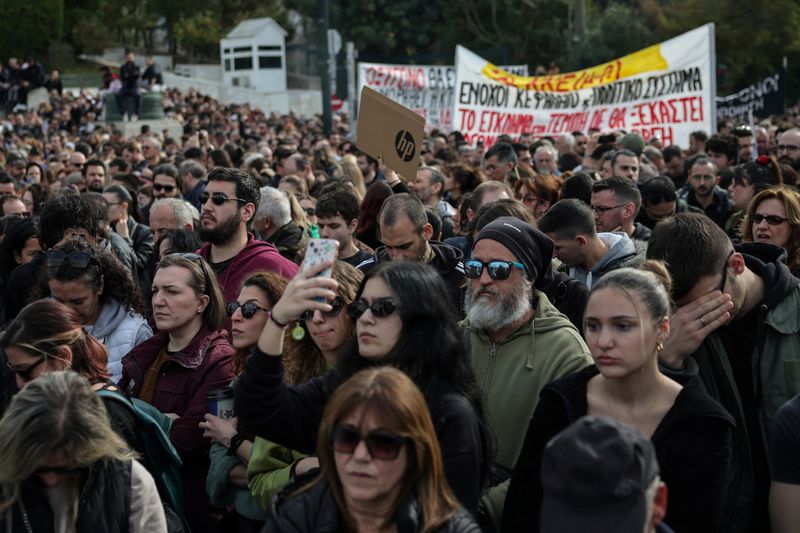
(425,89)
(667,90)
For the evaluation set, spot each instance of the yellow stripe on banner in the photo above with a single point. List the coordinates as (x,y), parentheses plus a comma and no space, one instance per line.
(646,60)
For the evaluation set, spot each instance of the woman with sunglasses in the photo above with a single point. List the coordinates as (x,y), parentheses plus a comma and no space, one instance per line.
(176,369)
(402,320)
(626,324)
(100,289)
(63,468)
(262,464)
(381,465)
(773,217)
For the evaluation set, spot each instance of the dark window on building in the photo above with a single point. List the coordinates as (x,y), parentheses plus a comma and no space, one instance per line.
(266,62)
(242,63)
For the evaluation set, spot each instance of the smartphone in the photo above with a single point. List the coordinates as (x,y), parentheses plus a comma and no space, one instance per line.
(320,251)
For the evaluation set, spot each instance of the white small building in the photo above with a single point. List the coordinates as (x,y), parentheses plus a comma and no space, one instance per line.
(253,56)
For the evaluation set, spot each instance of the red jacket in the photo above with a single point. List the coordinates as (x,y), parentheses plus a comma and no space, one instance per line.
(255,256)
(183,383)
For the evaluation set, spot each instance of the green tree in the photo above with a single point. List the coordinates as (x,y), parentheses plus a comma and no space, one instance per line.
(29,27)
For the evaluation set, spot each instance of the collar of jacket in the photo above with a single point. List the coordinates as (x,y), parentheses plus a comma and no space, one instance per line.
(190,357)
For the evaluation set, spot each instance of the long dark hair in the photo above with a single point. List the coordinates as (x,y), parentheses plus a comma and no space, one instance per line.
(430,349)
(16,238)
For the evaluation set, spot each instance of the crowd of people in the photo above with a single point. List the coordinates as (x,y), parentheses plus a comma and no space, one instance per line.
(589,332)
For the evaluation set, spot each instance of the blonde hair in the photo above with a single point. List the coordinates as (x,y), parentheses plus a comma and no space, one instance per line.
(57,412)
(349,164)
(396,401)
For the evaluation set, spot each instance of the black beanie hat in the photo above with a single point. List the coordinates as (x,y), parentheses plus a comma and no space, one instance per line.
(530,246)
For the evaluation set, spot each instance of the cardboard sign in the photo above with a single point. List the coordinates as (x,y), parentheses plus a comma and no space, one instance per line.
(389,131)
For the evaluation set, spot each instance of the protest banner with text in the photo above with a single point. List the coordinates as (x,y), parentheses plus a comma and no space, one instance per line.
(425,89)
(665,90)
(764,98)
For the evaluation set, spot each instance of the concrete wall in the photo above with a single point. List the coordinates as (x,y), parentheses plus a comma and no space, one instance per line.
(203,72)
(302,102)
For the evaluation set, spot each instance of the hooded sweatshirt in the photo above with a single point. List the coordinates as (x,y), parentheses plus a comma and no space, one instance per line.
(446,260)
(255,256)
(621,253)
(120,329)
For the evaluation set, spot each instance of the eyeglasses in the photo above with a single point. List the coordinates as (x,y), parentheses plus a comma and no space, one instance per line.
(772,220)
(381,308)
(602,210)
(498,270)
(657,198)
(166,188)
(25,373)
(218,199)
(310,211)
(788,148)
(336,308)
(56,258)
(381,444)
(248,309)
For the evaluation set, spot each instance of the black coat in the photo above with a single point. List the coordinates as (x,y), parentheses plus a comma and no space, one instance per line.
(290,415)
(692,443)
(316,511)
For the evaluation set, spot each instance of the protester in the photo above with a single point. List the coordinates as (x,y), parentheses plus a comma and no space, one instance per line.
(499,161)
(397,323)
(62,467)
(20,246)
(784,444)
(337,218)
(273,222)
(737,324)
(170,213)
(600,475)
(102,293)
(368,231)
(538,193)
(615,203)
(177,368)
(177,241)
(460,180)
(625,163)
(627,323)
(381,465)
(750,179)
(773,217)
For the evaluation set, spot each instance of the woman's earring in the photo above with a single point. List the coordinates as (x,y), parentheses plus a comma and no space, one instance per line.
(660,347)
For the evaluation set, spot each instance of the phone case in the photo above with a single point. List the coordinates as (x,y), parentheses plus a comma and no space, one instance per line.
(319,251)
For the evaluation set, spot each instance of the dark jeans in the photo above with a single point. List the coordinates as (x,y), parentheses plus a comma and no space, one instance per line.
(133,93)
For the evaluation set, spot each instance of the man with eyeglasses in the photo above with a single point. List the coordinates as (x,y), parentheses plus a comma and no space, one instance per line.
(704,192)
(586,255)
(615,204)
(517,341)
(151,150)
(737,326)
(789,148)
(228,206)
(498,161)
(660,201)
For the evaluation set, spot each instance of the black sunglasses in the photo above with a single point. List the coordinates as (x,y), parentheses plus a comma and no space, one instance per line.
(657,198)
(165,188)
(249,309)
(218,198)
(498,270)
(25,373)
(383,445)
(381,308)
(310,211)
(56,258)
(336,308)
(772,220)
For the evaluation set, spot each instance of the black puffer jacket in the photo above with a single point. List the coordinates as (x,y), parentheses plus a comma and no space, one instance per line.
(316,511)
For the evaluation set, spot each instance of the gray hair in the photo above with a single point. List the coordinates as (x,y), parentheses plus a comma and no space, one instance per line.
(568,139)
(195,168)
(275,206)
(183,212)
(548,148)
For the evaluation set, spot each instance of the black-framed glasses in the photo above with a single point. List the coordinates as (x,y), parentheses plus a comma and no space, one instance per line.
(337,304)
(161,187)
(25,373)
(602,209)
(498,270)
(657,198)
(218,199)
(788,148)
(249,309)
(381,444)
(772,220)
(77,259)
(381,308)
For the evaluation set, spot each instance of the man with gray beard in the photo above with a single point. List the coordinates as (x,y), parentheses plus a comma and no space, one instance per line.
(518,342)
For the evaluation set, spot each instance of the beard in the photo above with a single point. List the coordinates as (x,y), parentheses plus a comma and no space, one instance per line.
(493,314)
(224,230)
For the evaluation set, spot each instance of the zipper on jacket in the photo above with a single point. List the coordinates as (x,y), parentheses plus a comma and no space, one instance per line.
(490,370)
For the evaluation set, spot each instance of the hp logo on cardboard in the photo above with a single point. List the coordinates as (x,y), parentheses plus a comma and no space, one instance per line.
(404,145)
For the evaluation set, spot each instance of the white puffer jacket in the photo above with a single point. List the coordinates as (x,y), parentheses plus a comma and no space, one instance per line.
(120,330)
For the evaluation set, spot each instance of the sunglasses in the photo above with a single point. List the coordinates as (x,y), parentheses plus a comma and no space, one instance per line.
(310,211)
(249,309)
(381,444)
(218,199)
(56,258)
(381,308)
(498,270)
(25,373)
(336,308)
(654,199)
(166,188)
(772,220)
